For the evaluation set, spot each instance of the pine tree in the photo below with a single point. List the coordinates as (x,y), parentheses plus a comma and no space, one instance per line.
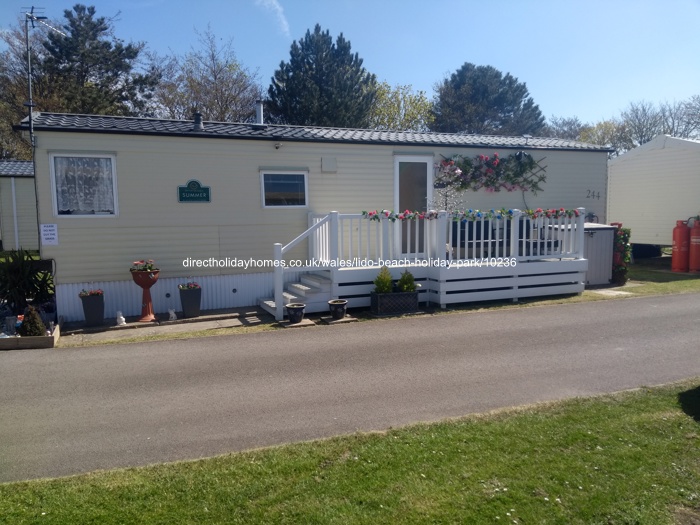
(93,71)
(323,84)
(480,99)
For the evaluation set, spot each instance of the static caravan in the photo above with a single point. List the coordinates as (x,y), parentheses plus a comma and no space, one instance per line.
(224,203)
(18,219)
(653,186)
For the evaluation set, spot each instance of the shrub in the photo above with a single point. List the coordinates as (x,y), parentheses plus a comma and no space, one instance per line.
(32,324)
(384,283)
(21,280)
(621,255)
(406,283)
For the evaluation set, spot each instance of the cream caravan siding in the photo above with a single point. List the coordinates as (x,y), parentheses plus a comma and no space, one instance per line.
(26,213)
(575,179)
(152,224)
(653,186)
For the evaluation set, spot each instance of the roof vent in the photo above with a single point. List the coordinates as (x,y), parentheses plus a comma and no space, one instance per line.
(198,125)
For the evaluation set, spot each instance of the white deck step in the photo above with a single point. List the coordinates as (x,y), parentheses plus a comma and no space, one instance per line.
(303,290)
(268,304)
(315,280)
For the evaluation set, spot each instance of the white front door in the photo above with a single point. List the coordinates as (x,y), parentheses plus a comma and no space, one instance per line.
(413,189)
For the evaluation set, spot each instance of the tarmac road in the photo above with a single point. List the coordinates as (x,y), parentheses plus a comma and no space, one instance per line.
(67,411)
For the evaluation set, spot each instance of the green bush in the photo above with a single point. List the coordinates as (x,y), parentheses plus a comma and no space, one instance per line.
(21,281)
(32,324)
(384,283)
(406,283)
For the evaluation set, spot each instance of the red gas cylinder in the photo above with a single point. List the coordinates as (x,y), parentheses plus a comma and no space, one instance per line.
(681,243)
(694,254)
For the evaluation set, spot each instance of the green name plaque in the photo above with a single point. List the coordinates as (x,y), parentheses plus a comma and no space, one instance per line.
(193,192)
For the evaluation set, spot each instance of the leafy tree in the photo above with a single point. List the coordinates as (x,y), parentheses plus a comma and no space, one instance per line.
(480,99)
(612,133)
(93,71)
(209,80)
(399,108)
(323,84)
(564,128)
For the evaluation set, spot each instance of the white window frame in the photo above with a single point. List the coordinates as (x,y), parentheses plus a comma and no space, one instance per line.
(54,198)
(284,172)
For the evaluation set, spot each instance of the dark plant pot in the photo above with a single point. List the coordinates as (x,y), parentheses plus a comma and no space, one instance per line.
(191,300)
(395,303)
(295,312)
(338,308)
(94,309)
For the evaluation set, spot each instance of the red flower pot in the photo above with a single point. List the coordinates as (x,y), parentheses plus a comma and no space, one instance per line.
(146,279)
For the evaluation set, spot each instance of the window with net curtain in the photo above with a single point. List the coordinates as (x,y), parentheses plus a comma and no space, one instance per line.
(84,185)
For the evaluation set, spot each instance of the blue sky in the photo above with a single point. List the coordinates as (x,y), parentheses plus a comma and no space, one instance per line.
(585,58)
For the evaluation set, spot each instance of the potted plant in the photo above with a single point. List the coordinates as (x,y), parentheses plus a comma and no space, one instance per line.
(338,308)
(295,312)
(393,299)
(145,274)
(93,306)
(190,298)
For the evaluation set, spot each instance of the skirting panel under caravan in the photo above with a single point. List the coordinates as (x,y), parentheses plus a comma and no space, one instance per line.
(220,291)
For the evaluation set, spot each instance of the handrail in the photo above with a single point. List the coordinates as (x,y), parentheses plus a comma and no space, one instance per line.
(305,234)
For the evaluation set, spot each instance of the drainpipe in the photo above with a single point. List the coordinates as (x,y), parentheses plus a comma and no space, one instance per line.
(14,214)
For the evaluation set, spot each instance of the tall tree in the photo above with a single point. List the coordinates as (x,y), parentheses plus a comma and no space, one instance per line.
(399,108)
(209,80)
(612,133)
(564,128)
(679,120)
(323,84)
(480,99)
(94,71)
(643,122)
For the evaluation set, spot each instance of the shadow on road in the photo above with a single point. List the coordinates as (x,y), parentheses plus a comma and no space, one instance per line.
(690,403)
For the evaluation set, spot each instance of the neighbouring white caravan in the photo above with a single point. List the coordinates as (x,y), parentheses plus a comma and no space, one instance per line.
(653,186)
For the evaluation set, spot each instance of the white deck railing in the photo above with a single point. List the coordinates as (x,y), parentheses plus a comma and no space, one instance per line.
(353,238)
(520,236)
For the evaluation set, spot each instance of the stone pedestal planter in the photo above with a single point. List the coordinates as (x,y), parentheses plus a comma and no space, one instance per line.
(146,279)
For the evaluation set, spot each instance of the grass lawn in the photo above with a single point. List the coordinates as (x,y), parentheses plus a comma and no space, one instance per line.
(632,457)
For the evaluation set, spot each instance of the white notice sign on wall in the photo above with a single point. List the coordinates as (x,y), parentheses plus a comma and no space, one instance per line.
(49,235)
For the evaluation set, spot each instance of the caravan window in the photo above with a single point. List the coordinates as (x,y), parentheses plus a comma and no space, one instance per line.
(284,189)
(84,184)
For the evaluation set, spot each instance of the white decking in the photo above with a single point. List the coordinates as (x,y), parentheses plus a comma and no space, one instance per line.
(488,257)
